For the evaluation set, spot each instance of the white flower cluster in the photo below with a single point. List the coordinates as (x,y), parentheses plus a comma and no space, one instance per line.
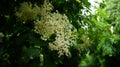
(47,24)
(58,24)
(27,11)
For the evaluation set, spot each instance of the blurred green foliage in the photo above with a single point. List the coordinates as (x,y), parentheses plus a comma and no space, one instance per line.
(97,35)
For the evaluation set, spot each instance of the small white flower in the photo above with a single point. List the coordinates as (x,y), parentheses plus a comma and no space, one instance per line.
(111,29)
